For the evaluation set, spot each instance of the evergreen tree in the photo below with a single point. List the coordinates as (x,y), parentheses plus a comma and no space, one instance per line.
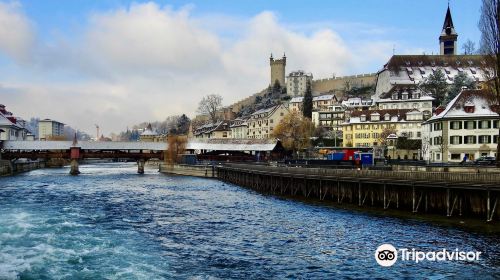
(461,80)
(307,104)
(436,84)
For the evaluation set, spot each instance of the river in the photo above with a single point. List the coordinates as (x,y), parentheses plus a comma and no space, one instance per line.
(111,223)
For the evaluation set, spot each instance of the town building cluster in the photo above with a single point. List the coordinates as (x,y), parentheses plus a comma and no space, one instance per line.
(397,108)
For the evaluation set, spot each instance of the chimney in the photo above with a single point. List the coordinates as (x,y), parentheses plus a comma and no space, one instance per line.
(439,110)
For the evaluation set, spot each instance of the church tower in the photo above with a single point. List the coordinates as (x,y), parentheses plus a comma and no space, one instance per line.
(278,70)
(448,38)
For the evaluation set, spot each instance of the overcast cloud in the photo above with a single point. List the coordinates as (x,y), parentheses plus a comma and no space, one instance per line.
(146,62)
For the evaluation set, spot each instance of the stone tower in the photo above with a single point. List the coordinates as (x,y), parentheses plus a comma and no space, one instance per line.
(448,37)
(278,70)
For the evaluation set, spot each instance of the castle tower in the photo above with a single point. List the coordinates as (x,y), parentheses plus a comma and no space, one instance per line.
(448,37)
(278,70)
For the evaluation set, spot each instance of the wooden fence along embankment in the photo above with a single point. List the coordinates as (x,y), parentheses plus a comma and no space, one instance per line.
(449,193)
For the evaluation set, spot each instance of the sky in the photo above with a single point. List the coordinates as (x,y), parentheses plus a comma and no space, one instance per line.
(118,63)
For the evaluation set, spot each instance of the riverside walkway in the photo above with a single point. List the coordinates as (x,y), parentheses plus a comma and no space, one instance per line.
(448,193)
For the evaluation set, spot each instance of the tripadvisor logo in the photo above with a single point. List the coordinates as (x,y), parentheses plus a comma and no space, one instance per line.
(387,255)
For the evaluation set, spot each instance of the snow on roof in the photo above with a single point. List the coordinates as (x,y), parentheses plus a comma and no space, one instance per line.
(232,144)
(480,99)
(323,97)
(297,99)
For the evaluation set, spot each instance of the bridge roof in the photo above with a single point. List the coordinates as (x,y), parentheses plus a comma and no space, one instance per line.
(84,145)
(232,144)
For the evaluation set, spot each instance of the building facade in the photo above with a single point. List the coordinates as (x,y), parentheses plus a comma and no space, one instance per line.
(239,128)
(366,128)
(403,97)
(11,127)
(48,129)
(467,127)
(262,122)
(297,83)
(218,130)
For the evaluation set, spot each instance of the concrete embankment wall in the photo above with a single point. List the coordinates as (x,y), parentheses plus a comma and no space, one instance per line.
(206,171)
(8,168)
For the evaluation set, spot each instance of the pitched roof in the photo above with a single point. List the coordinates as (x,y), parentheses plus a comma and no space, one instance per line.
(482,100)
(232,144)
(398,61)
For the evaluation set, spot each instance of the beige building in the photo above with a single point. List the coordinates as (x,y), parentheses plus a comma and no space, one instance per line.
(297,82)
(48,128)
(262,122)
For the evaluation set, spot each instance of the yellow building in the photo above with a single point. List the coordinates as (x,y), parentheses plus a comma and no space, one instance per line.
(365,128)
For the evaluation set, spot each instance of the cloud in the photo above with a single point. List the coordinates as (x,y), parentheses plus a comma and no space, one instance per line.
(146,62)
(16,31)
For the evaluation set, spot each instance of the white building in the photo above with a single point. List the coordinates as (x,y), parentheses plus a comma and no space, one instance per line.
(410,70)
(297,81)
(11,128)
(48,128)
(466,127)
(403,97)
(239,128)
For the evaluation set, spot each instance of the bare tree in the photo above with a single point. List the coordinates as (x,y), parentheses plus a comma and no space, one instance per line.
(469,47)
(489,25)
(209,105)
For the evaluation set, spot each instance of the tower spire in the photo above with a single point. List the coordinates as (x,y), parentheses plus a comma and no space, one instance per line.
(448,37)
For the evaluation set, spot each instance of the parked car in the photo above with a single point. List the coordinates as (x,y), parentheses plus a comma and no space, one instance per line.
(485,161)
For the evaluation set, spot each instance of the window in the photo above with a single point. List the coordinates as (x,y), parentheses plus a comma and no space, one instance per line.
(438,126)
(419,134)
(363,118)
(484,139)
(484,124)
(438,140)
(395,96)
(456,125)
(470,139)
(470,125)
(271,120)
(387,117)
(495,139)
(495,124)
(455,140)
(455,156)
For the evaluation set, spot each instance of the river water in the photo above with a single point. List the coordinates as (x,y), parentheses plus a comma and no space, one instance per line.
(111,223)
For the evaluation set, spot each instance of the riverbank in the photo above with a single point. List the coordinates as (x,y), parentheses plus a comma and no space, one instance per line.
(205,171)
(8,168)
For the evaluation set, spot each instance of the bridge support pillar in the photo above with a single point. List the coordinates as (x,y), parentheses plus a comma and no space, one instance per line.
(140,166)
(74,167)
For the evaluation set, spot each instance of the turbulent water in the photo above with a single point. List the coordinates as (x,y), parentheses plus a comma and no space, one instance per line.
(111,223)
